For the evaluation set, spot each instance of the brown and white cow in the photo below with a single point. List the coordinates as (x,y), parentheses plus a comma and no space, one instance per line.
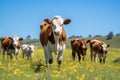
(53,38)
(78,46)
(11,45)
(98,48)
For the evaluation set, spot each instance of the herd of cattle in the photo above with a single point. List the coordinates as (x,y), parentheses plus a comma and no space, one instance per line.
(53,39)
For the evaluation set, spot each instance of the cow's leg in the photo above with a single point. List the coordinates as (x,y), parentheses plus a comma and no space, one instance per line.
(104,57)
(59,58)
(100,57)
(104,60)
(16,53)
(48,55)
(28,57)
(11,56)
(3,51)
(9,53)
(79,57)
(73,55)
(91,55)
(95,57)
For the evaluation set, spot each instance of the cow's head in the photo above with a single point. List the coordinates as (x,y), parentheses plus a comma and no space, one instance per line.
(83,46)
(31,48)
(16,41)
(105,47)
(58,24)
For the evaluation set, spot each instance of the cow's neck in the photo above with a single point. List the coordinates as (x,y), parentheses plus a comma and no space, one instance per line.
(54,43)
(51,39)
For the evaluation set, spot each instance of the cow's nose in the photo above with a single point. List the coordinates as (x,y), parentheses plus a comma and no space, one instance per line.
(57,32)
(14,45)
(85,48)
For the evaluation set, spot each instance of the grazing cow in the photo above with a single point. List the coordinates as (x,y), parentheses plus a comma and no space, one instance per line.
(78,46)
(11,45)
(53,38)
(98,48)
(28,50)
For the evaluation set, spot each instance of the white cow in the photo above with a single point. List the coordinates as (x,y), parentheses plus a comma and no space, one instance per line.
(28,50)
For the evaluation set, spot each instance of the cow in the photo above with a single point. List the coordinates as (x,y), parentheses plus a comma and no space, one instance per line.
(11,45)
(28,50)
(78,46)
(99,48)
(53,38)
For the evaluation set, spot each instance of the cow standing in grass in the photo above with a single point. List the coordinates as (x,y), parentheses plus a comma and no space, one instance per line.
(11,45)
(53,38)
(28,50)
(98,48)
(79,47)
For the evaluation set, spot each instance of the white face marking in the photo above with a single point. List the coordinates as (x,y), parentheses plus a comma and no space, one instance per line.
(57,25)
(104,46)
(15,41)
(31,48)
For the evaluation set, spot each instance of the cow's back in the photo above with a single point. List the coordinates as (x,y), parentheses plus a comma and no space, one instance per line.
(96,45)
(6,43)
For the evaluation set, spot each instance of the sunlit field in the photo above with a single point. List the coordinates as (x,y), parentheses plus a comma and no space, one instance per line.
(23,69)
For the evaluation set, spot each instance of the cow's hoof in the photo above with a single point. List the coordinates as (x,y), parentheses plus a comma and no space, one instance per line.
(50,61)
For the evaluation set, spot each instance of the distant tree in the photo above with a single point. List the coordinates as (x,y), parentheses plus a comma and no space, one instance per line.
(73,36)
(110,35)
(97,36)
(28,37)
(118,34)
(90,36)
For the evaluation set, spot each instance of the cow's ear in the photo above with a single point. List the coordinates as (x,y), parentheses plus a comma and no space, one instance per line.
(20,39)
(41,27)
(48,21)
(11,38)
(72,41)
(66,21)
(2,39)
(108,45)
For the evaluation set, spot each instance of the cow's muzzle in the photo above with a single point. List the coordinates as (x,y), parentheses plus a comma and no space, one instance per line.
(57,33)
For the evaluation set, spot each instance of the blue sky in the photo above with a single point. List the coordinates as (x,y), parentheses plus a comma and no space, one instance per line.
(89,17)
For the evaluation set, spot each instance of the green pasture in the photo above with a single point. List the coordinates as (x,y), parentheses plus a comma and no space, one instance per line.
(23,69)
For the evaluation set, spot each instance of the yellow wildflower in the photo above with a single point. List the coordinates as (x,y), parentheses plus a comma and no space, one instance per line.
(83,76)
(96,78)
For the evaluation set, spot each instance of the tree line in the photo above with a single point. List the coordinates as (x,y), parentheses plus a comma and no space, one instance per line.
(109,36)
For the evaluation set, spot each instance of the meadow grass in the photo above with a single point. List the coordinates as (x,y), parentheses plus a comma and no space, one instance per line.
(23,69)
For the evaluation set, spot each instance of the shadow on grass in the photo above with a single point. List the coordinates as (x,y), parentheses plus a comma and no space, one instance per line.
(38,66)
(117,60)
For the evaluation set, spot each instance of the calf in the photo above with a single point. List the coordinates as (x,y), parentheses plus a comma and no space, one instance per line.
(28,50)
(11,45)
(100,48)
(53,38)
(78,46)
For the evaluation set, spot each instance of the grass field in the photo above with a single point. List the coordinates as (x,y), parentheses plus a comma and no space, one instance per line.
(23,69)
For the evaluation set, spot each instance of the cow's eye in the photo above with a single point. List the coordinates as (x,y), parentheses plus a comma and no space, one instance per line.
(61,25)
(45,24)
